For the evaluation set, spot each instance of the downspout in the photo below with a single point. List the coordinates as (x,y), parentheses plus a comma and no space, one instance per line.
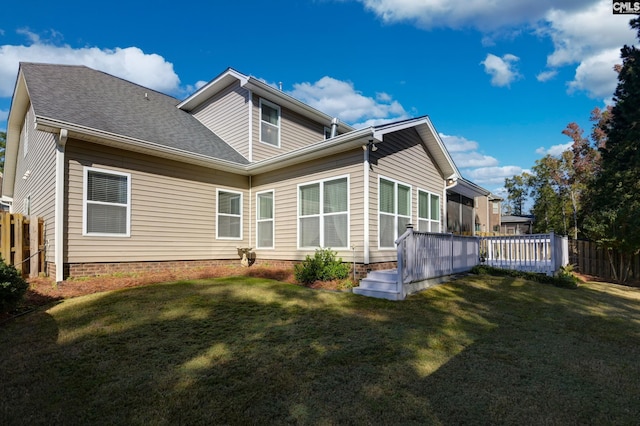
(59,206)
(250,126)
(250,211)
(366,168)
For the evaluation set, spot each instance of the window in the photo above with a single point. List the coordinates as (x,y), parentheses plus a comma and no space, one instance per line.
(107,202)
(229,217)
(264,220)
(496,207)
(394,211)
(428,212)
(269,123)
(323,214)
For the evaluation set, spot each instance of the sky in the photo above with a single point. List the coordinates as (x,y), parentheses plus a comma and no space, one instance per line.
(499,79)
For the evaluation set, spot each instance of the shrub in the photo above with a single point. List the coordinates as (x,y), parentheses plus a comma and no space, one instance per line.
(563,278)
(323,266)
(12,287)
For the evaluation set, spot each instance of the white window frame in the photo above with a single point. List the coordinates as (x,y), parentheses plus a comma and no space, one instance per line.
(278,126)
(218,214)
(495,207)
(272,219)
(85,202)
(321,215)
(395,207)
(430,220)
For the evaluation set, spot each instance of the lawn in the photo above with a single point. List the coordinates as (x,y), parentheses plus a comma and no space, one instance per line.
(245,350)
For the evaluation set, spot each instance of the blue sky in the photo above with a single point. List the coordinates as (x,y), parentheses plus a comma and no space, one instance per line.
(500,79)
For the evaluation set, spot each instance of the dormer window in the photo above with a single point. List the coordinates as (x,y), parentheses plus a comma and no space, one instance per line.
(269,123)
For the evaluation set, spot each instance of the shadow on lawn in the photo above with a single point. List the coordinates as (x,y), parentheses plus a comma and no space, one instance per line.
(239,353)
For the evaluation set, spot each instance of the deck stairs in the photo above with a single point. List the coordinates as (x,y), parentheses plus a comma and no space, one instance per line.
(380,284)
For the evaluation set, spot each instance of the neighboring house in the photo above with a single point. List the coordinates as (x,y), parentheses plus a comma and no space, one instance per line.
(488,218)
(127,178)
(516,225)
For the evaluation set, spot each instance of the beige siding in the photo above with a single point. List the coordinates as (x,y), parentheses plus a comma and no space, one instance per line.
(285,183)
(296,131)
(173,209)
(401,157)
(227,115)
(39,165)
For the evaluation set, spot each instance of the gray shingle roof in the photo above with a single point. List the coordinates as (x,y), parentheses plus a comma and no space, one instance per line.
(97,100)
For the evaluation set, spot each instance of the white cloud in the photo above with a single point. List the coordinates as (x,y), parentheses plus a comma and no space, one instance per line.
(341,99)
(458,143)
(482,15)
(555,150)
(487,176)
(130,63)
(502,70)
(546,75)
(590,37)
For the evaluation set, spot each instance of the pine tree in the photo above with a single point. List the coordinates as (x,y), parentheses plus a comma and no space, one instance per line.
(613,212)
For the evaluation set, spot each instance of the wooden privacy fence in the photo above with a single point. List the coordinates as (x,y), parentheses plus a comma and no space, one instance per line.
(22,243)
(590,259)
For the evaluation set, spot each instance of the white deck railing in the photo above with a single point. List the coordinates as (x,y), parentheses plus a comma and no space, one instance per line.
(542,253)
(425,255)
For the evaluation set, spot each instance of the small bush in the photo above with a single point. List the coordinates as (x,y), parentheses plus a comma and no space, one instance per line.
(12,287)
(564,278)
(323,266)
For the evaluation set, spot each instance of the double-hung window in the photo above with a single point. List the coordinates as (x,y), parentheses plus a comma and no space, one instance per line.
(265,220)
(229,215)
(394,211)
(107,203)
(323,214)
(269,123)
(428,212)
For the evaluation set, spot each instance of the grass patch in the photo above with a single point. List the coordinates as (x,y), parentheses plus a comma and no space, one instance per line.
(245,350)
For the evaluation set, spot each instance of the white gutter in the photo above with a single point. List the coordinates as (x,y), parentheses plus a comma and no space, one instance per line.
(59,206)
(366,243)
(250,126)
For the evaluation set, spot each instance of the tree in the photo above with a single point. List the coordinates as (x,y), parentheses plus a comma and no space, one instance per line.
(613,216)
(517,190)
(3,145)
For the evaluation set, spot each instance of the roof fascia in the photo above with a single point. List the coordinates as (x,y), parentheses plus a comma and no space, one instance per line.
(341,143)
(469,189)
(137,145)
(17,111)
(214,86)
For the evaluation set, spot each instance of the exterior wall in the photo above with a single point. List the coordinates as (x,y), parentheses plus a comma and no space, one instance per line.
(227,115)
(35,177)
(285,183)
(296,132)
(401,157)
(173,209)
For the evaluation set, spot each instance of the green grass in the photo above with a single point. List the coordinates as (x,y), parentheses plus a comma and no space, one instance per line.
(479,350)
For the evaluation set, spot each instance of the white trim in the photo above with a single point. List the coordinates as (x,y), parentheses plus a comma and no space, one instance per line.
(250,106)
(273,219)
(278,126)
(85,176)
(58,220)
(228,191)
(395,208)
(367,235)
(430,220)
(322,215)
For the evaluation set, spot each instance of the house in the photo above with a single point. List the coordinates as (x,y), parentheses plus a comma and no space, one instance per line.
(127,178)
(516,225)
(488,217)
